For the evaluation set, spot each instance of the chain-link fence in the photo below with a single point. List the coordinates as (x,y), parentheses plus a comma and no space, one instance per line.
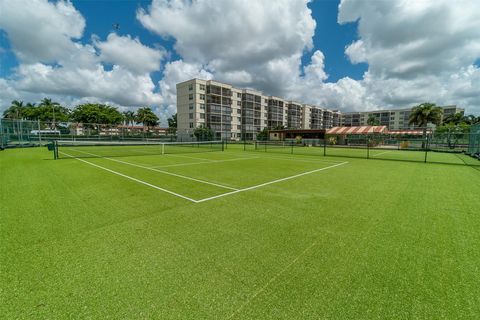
(445,148)
(24,133)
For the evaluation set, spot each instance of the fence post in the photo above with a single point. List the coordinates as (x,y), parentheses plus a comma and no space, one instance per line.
(39,133)
(426,149)
(324,145)
(368,147)
(292,147)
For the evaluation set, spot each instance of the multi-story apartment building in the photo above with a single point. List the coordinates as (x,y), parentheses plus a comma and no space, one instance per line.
(234,113)
(395,119)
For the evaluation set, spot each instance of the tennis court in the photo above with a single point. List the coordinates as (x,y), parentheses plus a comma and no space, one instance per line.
(193,232)
(196,172)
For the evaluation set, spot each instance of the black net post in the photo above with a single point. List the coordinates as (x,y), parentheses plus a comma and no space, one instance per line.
(55,149)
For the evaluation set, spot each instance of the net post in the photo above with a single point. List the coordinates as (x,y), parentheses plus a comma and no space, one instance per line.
(55,149)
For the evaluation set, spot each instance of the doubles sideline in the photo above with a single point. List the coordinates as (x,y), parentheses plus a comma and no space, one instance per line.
(204,199)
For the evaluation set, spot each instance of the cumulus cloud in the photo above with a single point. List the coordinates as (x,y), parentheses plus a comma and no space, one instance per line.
(41,31)
(129,53)
(54,62)
(417,50)
(256,43)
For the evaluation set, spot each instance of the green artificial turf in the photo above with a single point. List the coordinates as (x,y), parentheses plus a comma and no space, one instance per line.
(368,239)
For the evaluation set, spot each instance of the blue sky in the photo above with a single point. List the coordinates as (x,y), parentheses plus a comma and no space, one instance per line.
(347,55)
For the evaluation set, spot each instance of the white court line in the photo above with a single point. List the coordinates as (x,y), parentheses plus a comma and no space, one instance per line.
(271,182)
(203,162)
(378,154)
(161,171)
(187,157)
(302,160)
(132,178)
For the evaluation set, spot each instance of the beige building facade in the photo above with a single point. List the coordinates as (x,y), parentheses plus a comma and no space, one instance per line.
(394,119)
(234,113)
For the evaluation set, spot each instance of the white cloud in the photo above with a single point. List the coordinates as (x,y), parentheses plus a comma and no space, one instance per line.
(53,62)
(41,31)
(129,53)
(417,50)
(254,43)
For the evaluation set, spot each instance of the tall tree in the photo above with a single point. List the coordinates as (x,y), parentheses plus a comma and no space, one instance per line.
(172,121)
(146,116)
(172,124)
(15,111)
(203,133)
(372,120)
(423,114)
(129,117)
(91,114)
(456,118)
(51,111)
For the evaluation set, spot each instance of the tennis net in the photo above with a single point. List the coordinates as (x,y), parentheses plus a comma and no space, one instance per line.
(101,149)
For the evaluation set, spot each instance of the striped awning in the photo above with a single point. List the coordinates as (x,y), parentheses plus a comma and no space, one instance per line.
(357,130)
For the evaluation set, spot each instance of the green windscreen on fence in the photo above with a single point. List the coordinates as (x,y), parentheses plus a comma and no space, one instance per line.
(474,141)
(450,148)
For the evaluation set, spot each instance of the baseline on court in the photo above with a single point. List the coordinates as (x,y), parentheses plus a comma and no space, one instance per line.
(231,189)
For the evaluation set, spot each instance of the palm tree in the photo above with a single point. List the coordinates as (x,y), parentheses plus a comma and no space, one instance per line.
(372,120)
(423,114)
(129,117)
(456,118)
(48,104)
(147,117)
(15,111)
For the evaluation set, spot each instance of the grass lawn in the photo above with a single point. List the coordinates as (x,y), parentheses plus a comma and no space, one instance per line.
(237,235)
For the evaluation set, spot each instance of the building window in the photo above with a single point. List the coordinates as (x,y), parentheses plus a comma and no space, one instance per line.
(191,124)
(190,115)
(202,115)
(239,127)
(239,119)
(190,96)
(266,101)
(202,97)
(239,95)
(190,87)
(202,87)
(239,103)
(239,111)
(190,106)
(202,106)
